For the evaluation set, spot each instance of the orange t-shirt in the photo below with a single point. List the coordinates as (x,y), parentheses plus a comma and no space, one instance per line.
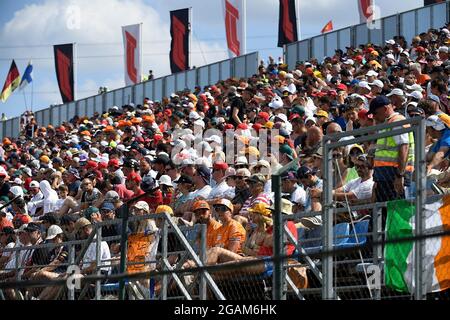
(211,232)
(423,78)
(231,232)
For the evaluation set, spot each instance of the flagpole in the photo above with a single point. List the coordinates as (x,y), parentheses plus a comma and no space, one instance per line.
(190,38)
(32,92)
(244,27)
(140,53)
(299,29)
(25,99)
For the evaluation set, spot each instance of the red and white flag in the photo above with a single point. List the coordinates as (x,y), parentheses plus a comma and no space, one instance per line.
(234,12)
(364,12)
(132,43)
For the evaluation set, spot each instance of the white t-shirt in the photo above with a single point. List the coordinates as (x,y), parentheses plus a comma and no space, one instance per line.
(91,255)
(299,196)
(361,190)
(222,190)
(201,193)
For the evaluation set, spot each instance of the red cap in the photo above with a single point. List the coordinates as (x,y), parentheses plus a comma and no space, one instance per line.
(220,165)
(294,116)
(168,112)
(102,165)
(157,137)
(135,177)
(342,87)
(113,163)
(91,164)
(362,114)
(359,58)
(420,49)
(264,115)
(229,126)
(257,126)
(242,126)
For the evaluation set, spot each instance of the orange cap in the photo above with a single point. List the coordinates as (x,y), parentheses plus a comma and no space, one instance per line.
(200,204)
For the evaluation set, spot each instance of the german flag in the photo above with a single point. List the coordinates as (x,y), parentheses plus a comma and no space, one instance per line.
(11,83)
(328,27)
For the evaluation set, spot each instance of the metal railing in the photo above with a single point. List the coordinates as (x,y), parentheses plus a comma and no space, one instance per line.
(169,279)
(240,67)
(326,273)
(407,24)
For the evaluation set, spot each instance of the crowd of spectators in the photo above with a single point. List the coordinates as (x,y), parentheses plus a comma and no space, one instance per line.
(57,182)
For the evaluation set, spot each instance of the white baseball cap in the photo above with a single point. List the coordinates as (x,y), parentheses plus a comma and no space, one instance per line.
(377,83)
(34,184)
(390,56)
(142,205)
(416,95)
(396,92)
(391,41)
(414,87)
(349,62)
(214,138)
(276,103)
(364,84)
(372,73)
(436,123)
(165,180)
(53,231)
(241,161)
(443,49)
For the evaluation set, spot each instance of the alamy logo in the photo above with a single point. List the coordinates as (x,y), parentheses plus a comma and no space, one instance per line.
(73,18)
(74,279)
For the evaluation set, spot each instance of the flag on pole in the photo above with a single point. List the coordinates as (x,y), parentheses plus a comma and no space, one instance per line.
(328,27)
(364,13)
(235,26)
(179,46)
(65,71)
(27,76)
(132,42)
(11,83)
(287,23)
(399,257)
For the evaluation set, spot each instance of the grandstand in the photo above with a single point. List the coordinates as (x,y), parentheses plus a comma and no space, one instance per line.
(322,178)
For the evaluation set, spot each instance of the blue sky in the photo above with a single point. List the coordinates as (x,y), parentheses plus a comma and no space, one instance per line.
(29,28)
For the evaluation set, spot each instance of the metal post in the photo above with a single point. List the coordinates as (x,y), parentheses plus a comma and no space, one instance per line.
(327,209)
(164,249)
(123,210)
(377,248)
(98,292)
(420,175)
(277,293)
(202,289)
(71,293)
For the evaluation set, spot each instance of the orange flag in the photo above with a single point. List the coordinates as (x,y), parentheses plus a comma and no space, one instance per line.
(328,27)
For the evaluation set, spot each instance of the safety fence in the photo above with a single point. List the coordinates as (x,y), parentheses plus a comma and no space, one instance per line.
(240,67)
(407,24)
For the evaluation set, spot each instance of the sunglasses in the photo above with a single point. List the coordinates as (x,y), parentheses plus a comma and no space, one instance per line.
(240,178)
(220,208)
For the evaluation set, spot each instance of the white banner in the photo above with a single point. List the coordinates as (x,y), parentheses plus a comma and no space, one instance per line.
(234,13)
(132,43)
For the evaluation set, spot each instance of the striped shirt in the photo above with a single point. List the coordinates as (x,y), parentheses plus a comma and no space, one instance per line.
(250,202)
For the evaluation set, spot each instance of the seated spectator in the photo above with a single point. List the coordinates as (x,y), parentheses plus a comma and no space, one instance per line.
(202,215)
(441,149)
(231,234)
(309,180)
